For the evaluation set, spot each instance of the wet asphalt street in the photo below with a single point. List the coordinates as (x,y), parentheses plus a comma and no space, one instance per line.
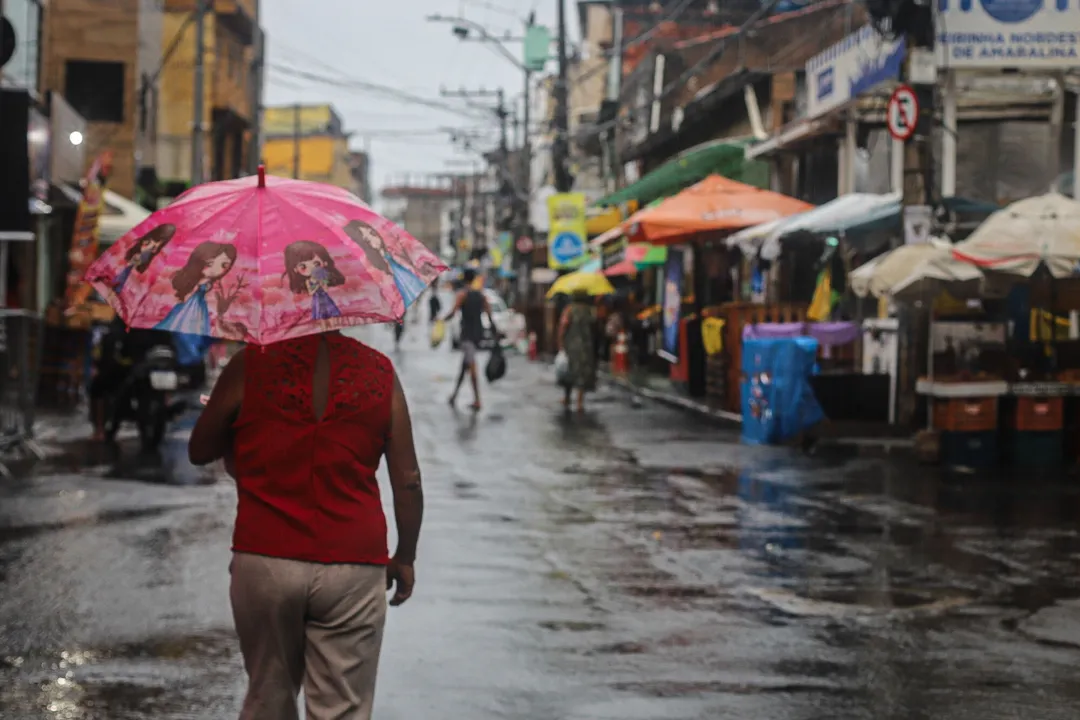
(628,564)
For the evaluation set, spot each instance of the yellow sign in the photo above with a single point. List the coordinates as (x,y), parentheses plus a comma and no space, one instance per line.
(601,220)
(567,236)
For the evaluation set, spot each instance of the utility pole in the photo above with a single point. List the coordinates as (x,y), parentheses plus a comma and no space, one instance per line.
(560,149)
(198,152)
(918,190)
(296,142)
(256,80)
(614,90)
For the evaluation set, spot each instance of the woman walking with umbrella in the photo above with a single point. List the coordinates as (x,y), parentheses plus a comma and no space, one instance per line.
(577,339)
(303,420)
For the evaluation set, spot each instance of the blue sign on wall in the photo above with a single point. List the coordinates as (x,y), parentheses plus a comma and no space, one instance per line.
(672,305)
(567,247)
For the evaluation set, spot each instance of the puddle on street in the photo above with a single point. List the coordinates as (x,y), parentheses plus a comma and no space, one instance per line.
(165,677)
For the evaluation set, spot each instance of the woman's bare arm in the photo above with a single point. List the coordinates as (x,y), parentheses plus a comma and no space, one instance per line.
(211,439)
(404,478)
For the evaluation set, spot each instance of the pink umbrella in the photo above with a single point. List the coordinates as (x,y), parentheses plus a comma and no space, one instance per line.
(261,260)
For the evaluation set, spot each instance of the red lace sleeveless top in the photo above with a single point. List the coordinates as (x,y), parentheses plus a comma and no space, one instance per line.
(307,487)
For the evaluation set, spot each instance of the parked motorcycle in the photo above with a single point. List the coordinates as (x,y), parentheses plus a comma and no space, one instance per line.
(146,396)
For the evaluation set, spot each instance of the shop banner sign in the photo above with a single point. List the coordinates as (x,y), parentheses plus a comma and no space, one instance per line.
(84,241)
(566,231)
(855,65)
(1025,34)
(671,306)
(612,253)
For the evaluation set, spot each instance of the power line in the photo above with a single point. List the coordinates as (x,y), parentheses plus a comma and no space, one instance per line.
(365,85)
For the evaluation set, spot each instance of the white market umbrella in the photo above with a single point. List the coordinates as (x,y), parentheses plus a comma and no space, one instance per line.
(915,272)
(1042,230)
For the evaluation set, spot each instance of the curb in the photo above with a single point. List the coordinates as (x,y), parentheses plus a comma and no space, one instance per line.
(719,416)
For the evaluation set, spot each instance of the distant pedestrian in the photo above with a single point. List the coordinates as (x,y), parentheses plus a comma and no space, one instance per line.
(310,567)
(434,305)
(473,305)
(577,337)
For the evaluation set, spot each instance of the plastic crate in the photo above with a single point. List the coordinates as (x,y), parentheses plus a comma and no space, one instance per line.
(1041,414)
(976,450)
(965,414)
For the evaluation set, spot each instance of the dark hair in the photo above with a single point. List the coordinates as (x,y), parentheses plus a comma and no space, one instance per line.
(581,296)
(188,277)
(469,275)
(377,257)
(302,251)
(163,232)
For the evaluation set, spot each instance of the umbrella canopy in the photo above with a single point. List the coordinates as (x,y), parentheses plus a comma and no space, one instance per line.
(915,272)
(263,259)
(1042,230)
(714,204)
(591,282)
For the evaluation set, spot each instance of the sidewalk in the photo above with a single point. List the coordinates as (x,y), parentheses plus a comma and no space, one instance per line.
(860,436)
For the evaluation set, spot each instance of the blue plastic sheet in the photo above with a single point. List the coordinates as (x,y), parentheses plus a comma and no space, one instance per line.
(777,400)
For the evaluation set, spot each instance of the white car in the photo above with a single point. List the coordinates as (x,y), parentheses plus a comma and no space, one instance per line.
(511,324)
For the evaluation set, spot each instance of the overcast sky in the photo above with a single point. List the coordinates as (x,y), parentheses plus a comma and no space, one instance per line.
(391,43)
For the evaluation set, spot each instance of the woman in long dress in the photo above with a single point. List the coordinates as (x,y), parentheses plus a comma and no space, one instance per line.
(576,339)
(382,257)
(311,270)
(144,250)
(208,263)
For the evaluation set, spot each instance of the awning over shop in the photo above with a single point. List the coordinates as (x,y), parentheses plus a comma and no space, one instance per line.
(720,157)
(833,217)
(716,204)
(638,257)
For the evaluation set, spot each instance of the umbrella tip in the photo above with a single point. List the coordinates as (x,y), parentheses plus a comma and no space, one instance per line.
(262,176)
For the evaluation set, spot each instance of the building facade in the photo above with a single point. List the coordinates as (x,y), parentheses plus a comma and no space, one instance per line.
(308,142)
(424,205)
(94,54)
(230,89)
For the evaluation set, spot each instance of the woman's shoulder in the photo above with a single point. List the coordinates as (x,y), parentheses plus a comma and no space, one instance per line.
(361,353)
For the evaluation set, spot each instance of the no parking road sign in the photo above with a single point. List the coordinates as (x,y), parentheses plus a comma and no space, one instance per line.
(903,113)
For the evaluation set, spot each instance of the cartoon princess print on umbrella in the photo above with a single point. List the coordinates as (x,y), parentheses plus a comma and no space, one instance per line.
(142,252)
(208,263)
(311,270)
(383,258)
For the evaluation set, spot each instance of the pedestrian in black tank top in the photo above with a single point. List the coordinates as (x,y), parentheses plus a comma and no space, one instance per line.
(473,305)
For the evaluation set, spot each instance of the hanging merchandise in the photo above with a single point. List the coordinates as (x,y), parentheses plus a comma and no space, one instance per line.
(712,335)
(821,304)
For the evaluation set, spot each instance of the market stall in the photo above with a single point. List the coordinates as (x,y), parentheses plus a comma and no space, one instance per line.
(697,277)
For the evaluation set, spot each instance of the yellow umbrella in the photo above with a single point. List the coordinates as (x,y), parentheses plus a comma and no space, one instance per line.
(591,282)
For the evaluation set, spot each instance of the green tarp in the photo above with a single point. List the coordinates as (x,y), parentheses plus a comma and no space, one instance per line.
(722,157)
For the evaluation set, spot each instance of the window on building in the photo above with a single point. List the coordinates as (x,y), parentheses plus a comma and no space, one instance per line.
(95,89)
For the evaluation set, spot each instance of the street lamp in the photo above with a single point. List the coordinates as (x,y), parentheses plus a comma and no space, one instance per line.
(462,27)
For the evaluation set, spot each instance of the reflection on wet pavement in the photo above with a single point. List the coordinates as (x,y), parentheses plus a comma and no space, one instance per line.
(627,563)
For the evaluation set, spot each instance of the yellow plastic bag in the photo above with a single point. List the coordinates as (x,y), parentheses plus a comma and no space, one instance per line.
(438,332)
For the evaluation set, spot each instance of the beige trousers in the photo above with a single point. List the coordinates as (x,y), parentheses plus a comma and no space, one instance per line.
(311,626)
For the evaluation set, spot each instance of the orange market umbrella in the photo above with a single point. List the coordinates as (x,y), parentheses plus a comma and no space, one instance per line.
(714,204)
